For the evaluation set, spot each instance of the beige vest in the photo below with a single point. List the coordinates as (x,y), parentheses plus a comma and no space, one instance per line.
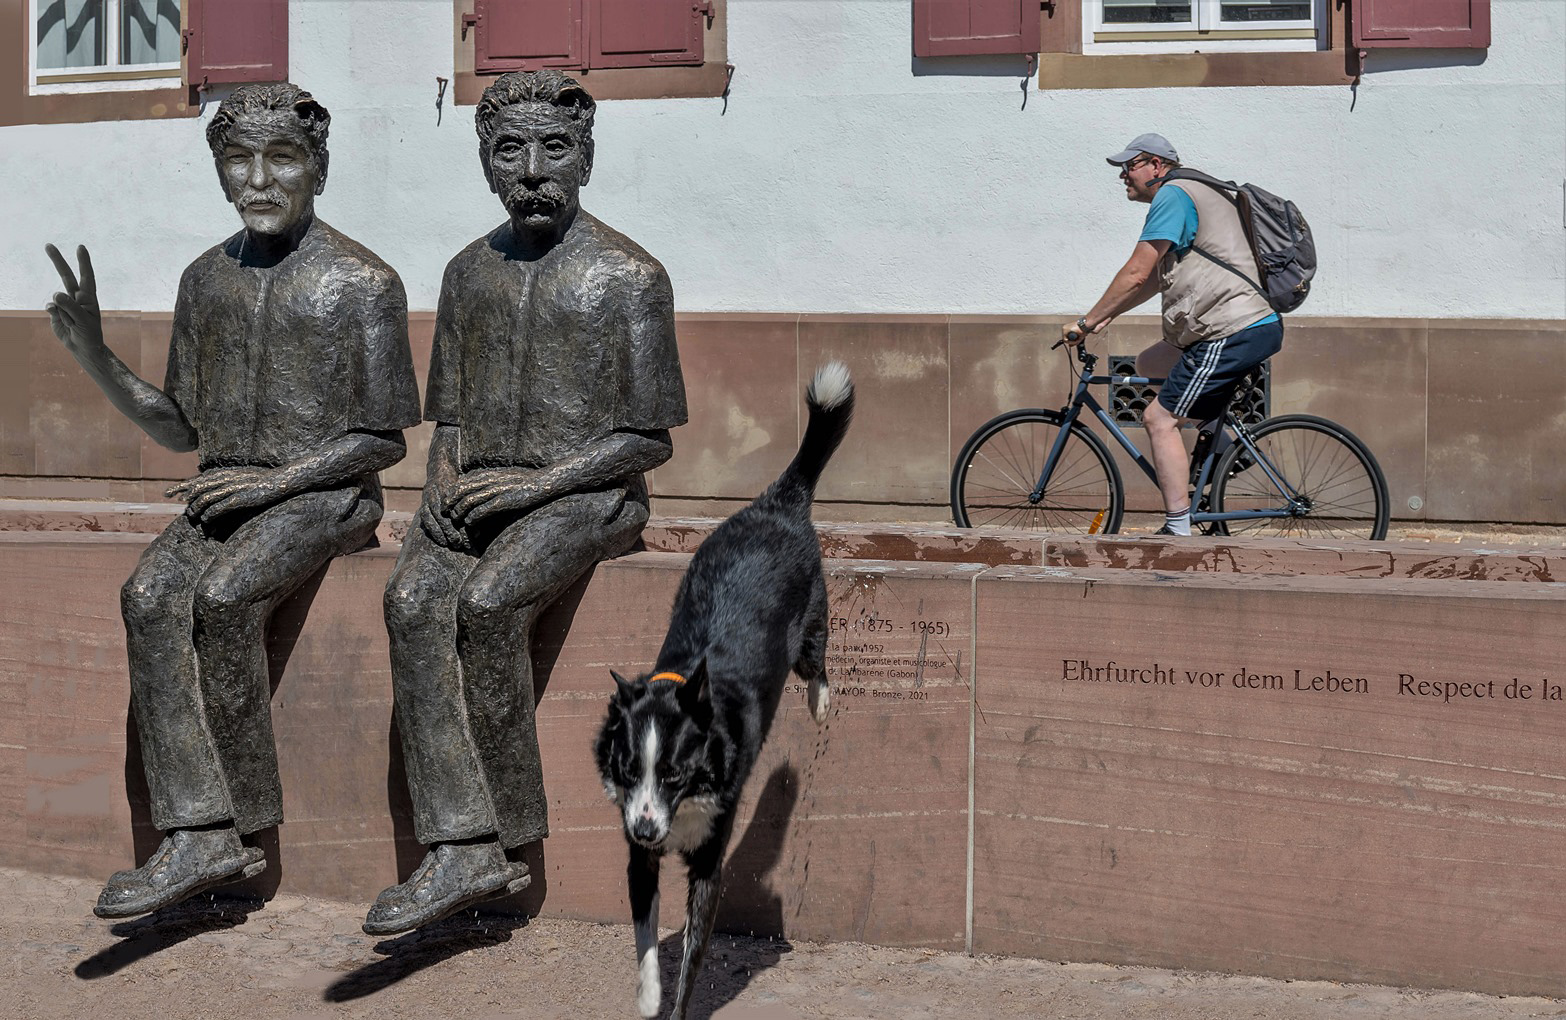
(1203,300)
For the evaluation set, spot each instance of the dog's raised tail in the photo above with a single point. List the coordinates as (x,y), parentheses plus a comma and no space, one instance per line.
(830,397)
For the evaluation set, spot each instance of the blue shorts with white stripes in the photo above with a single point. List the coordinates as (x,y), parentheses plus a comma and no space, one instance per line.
(1201,382)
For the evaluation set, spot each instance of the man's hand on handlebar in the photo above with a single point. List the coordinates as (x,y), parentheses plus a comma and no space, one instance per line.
(1074,332)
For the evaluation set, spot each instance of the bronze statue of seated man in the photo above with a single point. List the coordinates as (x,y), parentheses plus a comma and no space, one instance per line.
(289,371)
(554,381)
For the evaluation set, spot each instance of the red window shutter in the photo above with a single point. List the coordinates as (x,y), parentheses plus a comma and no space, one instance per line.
(236,41)
(645,33)
(1446,24)
(526,35)
(1062,28)
(946,28)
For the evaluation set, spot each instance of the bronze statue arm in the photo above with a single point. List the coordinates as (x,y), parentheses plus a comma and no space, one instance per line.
(600,465)
(76,320)
(337,463)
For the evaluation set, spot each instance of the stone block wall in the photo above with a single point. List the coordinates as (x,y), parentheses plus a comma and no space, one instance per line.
(1338,774)
(1464,416)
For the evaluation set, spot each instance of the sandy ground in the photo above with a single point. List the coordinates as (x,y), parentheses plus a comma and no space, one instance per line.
(296,957)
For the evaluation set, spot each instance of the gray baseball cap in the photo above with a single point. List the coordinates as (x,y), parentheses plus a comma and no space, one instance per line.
(1153,145)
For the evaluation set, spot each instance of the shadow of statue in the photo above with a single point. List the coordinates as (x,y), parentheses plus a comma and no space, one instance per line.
(749,928)
(166,928)
(408,954)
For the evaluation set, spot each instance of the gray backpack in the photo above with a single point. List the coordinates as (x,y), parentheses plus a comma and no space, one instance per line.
(1280,239)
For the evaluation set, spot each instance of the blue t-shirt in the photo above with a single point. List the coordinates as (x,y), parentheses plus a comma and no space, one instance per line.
(1172,218)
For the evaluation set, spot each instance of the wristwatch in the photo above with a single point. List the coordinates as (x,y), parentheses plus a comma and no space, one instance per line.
(1082,324)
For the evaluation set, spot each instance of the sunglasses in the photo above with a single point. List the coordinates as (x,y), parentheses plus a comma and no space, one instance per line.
(1126,168)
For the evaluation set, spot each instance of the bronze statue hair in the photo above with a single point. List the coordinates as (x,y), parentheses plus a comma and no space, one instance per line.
(547,86)
(314,121)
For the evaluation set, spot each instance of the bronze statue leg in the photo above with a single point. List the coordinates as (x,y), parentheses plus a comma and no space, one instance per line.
(176,746)
(470,743)
(196,609)
(449,799)
(527,566)
(262,563)
(206,732)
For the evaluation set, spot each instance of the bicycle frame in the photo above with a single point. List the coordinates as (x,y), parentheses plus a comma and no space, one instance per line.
(1294,506)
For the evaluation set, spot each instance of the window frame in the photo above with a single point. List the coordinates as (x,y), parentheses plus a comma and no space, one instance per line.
(164,99)
(109,77)
(1063,65)
(1204,33)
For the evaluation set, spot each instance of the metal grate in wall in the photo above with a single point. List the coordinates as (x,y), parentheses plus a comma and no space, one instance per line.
(1252,401)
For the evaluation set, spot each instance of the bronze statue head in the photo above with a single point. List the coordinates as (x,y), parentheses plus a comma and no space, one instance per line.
(269,145)
(535,133)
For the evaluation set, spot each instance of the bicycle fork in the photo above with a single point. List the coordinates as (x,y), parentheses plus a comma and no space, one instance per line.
(1069,415)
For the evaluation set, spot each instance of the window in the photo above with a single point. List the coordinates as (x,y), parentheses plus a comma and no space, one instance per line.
(620,49)
(95,60)
(104,45)
(1187,26)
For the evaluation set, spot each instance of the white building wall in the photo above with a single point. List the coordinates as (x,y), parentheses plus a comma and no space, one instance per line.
(844,178)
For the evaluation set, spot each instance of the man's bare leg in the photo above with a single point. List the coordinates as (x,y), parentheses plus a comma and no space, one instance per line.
(1171,462)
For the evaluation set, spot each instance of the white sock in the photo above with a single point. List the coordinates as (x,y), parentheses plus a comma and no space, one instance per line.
(1178,521)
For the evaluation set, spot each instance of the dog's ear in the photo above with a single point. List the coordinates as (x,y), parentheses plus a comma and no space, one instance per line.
(696,694)
(624,689)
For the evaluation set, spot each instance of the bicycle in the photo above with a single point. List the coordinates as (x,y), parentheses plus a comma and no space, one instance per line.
(1294,475)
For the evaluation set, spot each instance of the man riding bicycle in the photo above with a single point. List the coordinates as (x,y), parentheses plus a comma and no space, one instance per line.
(1216,326)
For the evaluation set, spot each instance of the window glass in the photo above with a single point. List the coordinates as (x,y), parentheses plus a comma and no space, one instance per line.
(149,31)
(1265,10)
(71,33)
(1148,12)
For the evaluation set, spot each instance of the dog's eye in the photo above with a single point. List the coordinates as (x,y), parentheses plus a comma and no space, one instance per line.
(625,768)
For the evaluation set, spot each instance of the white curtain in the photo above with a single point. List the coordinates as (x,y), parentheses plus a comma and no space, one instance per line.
(71,34)
(149,31)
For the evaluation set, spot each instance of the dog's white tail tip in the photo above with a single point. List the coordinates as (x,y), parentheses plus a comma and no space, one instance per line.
(830,386)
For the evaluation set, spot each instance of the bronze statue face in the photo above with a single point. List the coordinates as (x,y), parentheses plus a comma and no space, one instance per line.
(537,165)
(271,172)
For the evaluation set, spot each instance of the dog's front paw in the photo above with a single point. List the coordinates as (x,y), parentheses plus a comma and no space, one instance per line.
(820,698)
(649,990)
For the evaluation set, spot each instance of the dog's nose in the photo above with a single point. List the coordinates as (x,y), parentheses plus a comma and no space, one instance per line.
(644,831)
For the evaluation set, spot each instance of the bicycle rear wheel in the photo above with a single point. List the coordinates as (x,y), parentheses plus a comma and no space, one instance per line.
(1339,490)
(995,473)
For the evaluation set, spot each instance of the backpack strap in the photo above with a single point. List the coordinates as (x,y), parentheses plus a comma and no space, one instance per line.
(1232,192)
(1209,256)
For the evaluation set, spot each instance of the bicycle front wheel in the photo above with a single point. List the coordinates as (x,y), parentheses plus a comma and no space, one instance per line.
(1333,487)
(994,477)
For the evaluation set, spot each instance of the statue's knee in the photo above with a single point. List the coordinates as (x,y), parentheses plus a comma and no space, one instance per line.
(145,600)
(401,603)
(479,608)
(218,599)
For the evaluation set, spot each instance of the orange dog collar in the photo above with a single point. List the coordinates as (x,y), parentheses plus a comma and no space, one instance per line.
(672,677)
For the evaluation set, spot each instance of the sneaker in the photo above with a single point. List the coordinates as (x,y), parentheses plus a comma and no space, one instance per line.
(1166,530)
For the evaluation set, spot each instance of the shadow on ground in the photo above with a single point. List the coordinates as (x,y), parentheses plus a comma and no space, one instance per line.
(166,928)
(408,954)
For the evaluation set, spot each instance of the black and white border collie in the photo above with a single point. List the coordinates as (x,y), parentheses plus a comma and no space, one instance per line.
(678,743)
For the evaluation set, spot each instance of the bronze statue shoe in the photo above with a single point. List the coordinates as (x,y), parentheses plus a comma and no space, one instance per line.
(187,862)
(451,877)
